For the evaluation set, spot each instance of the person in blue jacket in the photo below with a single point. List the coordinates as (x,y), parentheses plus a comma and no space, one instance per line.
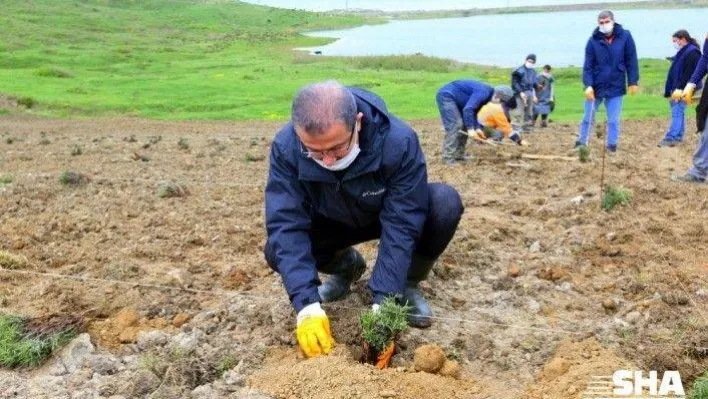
(610,64)
(695,83)
(523,81)
(684,63)
(344,171)
(459,102)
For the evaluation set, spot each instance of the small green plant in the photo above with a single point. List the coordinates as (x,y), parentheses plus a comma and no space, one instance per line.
(76,150)
(54,72)
(700,387)
(9,140)
(27,102)
(584,153)
(248,158)
(11,261)
(382,327)
(171,190)
(183,144)
(6,179)
(28,342)
(69,178)
(615,196)
(225,364)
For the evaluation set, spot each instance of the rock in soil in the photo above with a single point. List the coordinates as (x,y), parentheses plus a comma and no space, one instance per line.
(429,358)
(451,368)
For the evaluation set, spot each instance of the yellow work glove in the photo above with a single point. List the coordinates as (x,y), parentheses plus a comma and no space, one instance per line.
(313,332)
(633,89)
(676,95)
(590,93)
(688,93)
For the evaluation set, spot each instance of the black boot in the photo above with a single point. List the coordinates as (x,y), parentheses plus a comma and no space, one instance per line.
(420,313)
(346,267)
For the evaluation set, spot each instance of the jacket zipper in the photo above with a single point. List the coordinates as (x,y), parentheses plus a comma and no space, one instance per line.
(346,203)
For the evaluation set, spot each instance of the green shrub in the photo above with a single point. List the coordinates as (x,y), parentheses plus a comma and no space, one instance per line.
(69,178)
(171,190)
(27,343)
(6,179)
(615,196)
(76,150)
(54,72)
(584,153)
(183,144)
(383,326)
(700,387)
(27,102)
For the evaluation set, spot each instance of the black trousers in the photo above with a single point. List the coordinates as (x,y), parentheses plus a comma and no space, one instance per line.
(702,110)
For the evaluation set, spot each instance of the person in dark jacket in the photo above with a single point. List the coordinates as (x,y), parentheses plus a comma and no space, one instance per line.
(610,64)
(459,102)
(695,83)
(342,172)
(523,82)
(682,67)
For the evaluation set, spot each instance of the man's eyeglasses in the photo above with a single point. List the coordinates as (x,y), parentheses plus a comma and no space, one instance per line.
(338,151)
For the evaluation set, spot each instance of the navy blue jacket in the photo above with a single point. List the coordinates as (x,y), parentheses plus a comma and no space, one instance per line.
(701,68)
(470,96)
(610,66)
(682,68)
(387,183)
(523,80)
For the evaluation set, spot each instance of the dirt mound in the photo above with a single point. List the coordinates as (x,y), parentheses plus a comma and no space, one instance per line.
(573,365)
(340,376)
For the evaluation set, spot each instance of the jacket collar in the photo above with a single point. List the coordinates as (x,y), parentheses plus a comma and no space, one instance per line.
(375,124)
(617,32)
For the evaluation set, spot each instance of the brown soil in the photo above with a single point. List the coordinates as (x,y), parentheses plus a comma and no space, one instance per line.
(429,358)
(527,269)
(340,376)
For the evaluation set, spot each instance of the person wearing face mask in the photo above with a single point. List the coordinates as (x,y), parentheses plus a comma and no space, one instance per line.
(546,96)
(523,81)
(459,102)
(345,171)
(684,63)
(610,65)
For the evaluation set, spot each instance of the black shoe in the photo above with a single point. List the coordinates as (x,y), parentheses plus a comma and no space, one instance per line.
(688,178)
(348,268)
(420,313)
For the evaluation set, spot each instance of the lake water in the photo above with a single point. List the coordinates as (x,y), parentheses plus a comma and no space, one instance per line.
(558,38)
(412,5)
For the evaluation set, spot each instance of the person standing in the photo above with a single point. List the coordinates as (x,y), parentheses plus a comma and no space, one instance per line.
(695,83)
(682,67)
(459,102)
(546,96)
(523,81)
(610,65)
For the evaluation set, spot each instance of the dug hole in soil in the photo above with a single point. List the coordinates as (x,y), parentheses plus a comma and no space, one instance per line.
(538,291)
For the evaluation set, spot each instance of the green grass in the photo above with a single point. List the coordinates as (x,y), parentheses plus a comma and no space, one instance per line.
(182,59)
(700,387)
(19,350)
(615,196)
(6,179)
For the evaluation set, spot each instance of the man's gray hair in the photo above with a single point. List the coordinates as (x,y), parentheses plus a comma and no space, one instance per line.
(318,106)
(606,14)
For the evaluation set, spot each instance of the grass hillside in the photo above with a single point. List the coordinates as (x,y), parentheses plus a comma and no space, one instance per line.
(180,59)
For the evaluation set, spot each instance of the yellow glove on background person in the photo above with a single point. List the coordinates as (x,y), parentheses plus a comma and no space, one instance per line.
(677,95)
(633,89)
(313,332)
(590,93)
(688,93)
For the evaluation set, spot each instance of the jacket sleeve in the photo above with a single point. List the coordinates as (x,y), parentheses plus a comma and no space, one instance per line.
(701,68)
(516,82)
(631,61)
(288,224)
(589,65)
(469,112)
(405,208)
(689,66)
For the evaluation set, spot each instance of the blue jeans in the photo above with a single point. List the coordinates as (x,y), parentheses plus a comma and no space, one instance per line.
(700,158)
(454,142)
(678,122)
(613,105)
(328,238)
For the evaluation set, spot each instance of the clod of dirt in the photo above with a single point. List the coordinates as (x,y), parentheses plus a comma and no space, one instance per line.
(451,368)
(236,279)
(429,358)
(180,319)
(127,317)
(556,368)
(514,271)
(171,190)
(609,304)
(675,298)
(553,273)
(387,394)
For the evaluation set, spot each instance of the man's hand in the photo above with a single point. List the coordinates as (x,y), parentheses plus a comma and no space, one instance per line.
(676,95)
(313,332)
(590,93)
(688,91)
(535,100)
(633,89)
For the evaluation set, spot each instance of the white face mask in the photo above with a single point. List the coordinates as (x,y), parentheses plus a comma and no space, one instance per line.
(677,45)
(342,163)
(546,74)
(530,65)
(607,28)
